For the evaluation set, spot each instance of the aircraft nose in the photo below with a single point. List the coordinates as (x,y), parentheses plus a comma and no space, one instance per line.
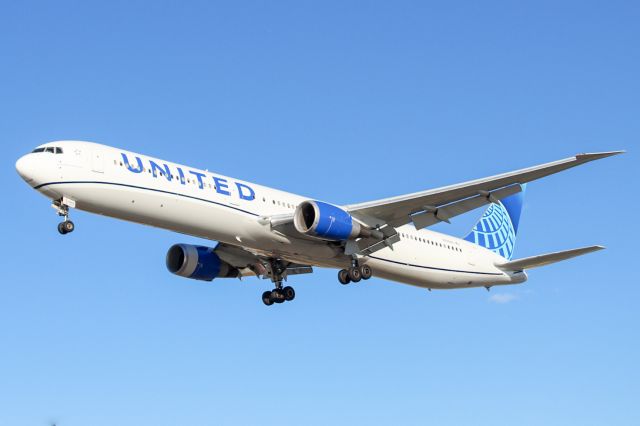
(24,167)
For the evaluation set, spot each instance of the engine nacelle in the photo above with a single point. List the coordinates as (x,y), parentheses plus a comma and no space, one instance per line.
(198,262)
(325,221)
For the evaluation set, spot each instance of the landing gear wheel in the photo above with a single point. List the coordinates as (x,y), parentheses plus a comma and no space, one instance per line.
(343,277)
(66,227)
(354,274)
(277,296)
(266,298)
(288,293)
(366,272)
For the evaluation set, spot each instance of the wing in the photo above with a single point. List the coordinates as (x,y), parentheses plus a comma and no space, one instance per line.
(435,205)
(251,263)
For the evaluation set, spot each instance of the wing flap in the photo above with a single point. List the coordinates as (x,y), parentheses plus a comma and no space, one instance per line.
(433,215)
(546,259)
(249,263)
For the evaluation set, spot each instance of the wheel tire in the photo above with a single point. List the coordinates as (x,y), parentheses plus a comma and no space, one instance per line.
(366,272)
(289,293)
(266,298)
(354,274)
(343,277)
(61,229)
(277,296)
(68,226)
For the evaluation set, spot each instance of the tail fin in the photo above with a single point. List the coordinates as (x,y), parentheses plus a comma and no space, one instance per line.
(498,227)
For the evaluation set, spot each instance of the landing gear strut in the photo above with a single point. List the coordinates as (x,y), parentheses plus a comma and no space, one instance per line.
(65,226)
(279,294)
(355,273)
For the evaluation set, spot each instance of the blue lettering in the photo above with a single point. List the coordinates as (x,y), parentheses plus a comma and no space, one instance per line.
(155,166)
(199,176)
(250,196)
(140,169)
(181,174)
(221,186)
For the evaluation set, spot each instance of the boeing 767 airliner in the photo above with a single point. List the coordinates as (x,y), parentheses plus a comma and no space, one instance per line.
(274,234)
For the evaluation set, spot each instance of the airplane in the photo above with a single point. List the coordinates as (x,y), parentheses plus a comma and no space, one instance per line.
(273,234)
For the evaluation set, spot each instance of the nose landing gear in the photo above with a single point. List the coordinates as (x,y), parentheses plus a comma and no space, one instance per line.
(62,207)
(66,227)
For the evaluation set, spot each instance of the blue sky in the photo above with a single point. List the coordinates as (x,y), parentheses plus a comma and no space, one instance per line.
(346,102)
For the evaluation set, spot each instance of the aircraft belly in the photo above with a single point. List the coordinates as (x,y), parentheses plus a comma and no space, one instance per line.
(437,275)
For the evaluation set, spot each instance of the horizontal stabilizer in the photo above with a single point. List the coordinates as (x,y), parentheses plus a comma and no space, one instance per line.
(546,259)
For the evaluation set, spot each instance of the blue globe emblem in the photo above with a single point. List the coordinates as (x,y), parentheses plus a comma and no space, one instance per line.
(495,231)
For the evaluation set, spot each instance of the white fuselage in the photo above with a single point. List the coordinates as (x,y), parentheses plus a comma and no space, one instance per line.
(142,189)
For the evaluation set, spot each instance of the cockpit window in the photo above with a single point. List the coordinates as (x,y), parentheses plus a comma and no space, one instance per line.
(51,149)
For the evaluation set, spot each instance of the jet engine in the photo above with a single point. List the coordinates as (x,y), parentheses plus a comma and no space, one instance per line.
(198,262)
(328,222)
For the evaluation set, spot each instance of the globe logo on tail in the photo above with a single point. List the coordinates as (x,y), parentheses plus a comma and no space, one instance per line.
(495,231)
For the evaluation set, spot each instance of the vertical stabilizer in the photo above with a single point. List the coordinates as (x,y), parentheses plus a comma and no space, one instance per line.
(498,227)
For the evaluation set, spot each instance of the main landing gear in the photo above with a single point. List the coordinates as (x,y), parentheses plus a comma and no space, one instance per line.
(279,294)
(65,226)
(355,273)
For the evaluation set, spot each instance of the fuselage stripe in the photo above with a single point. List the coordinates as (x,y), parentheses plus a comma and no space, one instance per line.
(434,268)
(144,188)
